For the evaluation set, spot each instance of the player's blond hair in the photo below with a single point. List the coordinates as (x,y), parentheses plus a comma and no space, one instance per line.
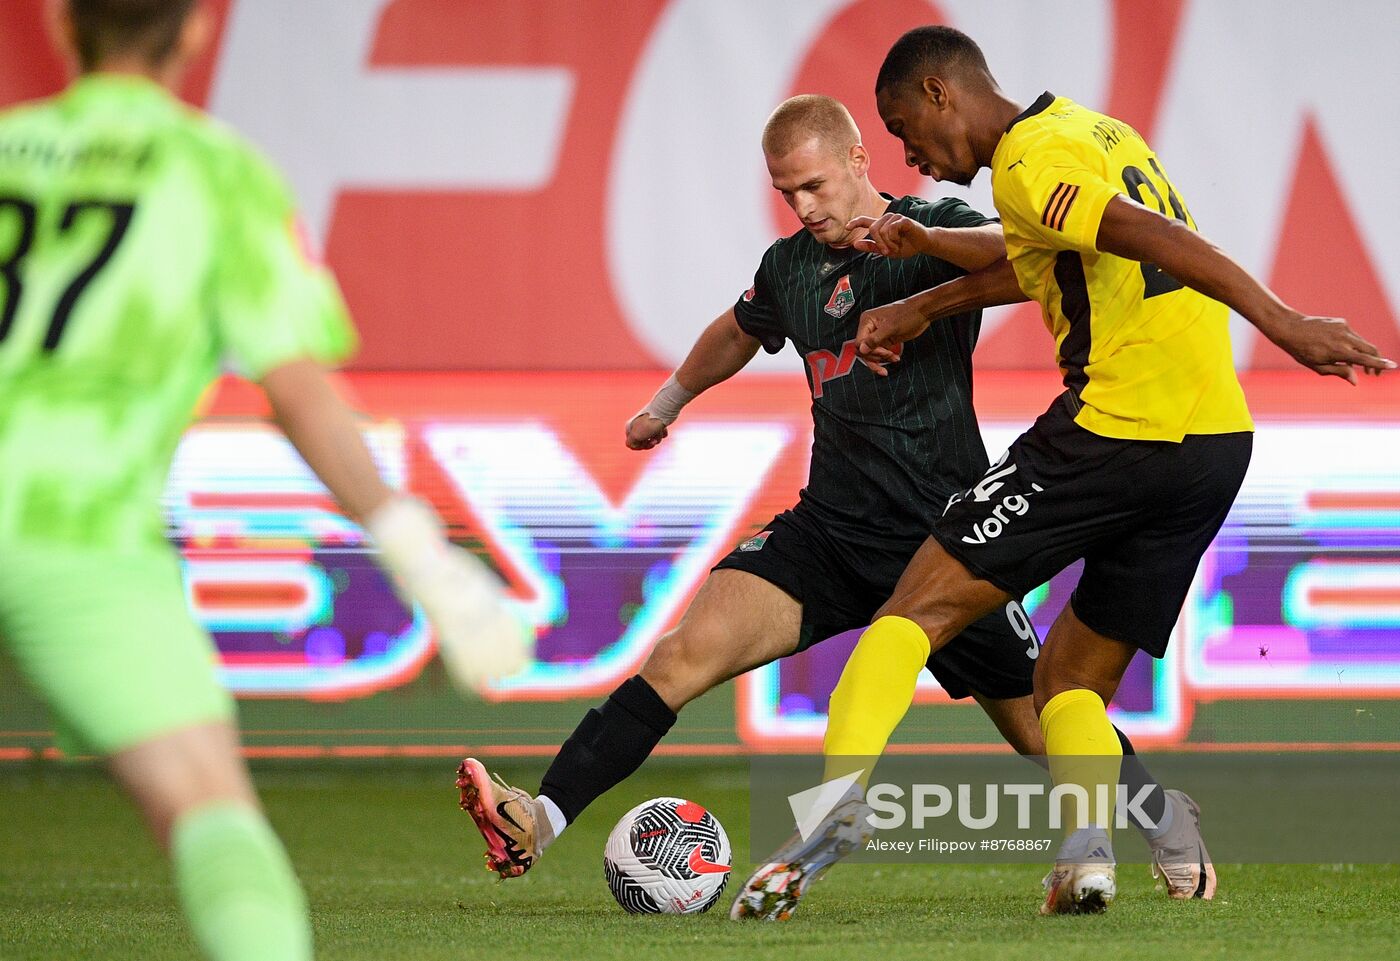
(810,116)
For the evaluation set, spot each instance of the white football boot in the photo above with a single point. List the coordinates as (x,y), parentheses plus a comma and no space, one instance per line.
(1179,856)
(772,892)
(1082,880)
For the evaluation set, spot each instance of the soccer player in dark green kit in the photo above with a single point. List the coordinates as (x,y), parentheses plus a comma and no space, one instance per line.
(143,247)
(887,454)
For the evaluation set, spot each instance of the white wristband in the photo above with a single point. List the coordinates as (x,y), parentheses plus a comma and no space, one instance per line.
(409,535)
(666,405)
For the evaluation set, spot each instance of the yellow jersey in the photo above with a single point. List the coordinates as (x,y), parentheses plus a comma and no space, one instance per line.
(1147,357)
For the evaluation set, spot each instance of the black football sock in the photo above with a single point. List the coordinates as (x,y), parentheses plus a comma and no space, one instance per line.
(1134,777)
(609,744)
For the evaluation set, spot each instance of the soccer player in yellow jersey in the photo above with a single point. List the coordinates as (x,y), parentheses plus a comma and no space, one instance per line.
(1133,468)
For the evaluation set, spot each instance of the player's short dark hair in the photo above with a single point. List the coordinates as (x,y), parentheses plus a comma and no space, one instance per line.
(146,28)
(930,50)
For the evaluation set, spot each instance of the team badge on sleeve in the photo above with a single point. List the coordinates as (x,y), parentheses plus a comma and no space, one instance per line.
(1057,208)
(842,299)
(749,294)
(756,542)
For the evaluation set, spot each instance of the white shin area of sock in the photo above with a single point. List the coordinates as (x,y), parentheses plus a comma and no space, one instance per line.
(557,821)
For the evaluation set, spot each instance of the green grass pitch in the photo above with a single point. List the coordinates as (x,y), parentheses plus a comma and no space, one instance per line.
(394,871)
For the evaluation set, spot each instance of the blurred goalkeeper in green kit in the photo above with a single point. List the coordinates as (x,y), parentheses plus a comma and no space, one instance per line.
(142,246)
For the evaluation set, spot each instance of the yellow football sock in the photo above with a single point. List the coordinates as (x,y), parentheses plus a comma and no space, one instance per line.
(873,695)
(1083,749)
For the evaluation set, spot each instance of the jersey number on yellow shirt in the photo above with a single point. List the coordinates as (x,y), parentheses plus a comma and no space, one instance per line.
(1155,280)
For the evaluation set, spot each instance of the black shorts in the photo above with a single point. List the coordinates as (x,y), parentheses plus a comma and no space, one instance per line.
(841,585)
(1140,513)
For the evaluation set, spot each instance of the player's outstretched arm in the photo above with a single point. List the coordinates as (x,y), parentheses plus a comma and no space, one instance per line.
(897,236)
(323,431)
(883,329)
(479,638)
(719,353)
(1322,344)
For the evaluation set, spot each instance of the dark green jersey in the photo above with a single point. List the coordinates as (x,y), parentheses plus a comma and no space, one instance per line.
(887,452)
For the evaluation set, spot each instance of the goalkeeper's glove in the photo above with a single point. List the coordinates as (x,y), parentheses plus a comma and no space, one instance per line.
(479,638)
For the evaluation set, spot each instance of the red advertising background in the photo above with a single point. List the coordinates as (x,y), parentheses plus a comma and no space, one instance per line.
(497,273)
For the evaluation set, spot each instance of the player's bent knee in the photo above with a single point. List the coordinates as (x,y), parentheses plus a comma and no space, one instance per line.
(681,667)
(170,775)
(1050,679)
(937,619)
(1056,675)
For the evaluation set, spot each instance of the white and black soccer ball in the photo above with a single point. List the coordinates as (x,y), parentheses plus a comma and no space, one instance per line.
(667,856)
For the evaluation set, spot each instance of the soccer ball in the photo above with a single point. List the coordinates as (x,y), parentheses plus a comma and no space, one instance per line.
(667,856)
